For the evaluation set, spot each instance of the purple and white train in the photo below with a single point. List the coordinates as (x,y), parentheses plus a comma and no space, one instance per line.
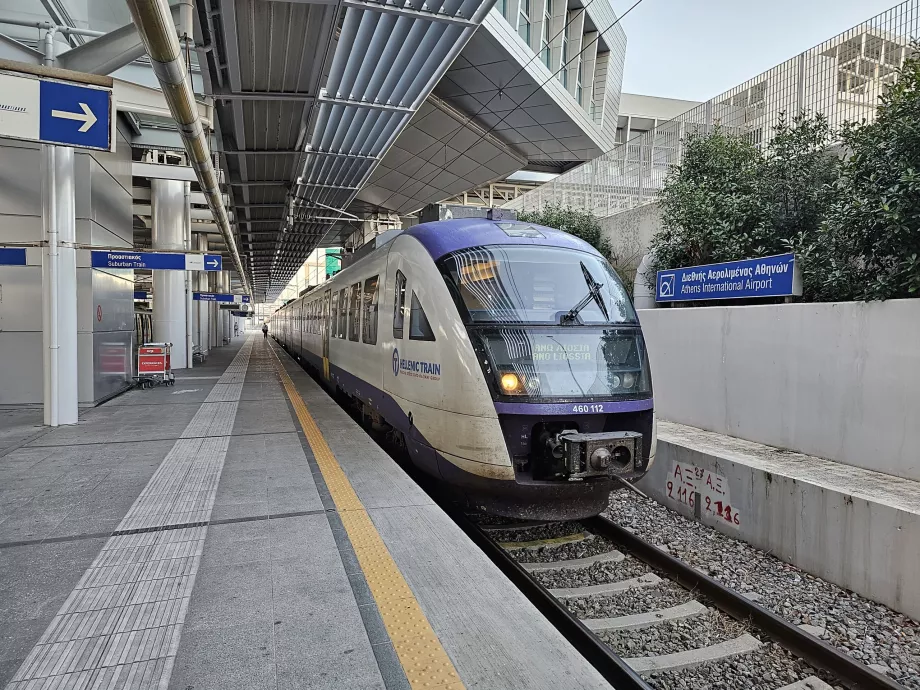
(506,356)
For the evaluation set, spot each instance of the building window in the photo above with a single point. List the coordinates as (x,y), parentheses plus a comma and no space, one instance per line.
(503,7)
(547,17)
(370,311)
(524,21)
(419,328)
(399,305)
(564,72)
(578,90)
(354,313)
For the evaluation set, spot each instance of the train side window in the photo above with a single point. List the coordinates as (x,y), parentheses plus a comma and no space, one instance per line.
(370,311)
(343,314)
(335,315)
(399,308)
(419,328)
(354,313)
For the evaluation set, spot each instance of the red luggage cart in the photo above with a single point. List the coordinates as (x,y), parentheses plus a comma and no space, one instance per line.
(154,366)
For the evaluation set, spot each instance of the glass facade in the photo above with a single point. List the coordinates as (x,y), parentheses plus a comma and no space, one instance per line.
(524,21)
(841,78)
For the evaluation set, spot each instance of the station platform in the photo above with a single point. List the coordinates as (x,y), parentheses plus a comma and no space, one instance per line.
(239,530)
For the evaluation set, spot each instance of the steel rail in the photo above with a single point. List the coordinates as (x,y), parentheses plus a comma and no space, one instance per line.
(850,672)
(616,671)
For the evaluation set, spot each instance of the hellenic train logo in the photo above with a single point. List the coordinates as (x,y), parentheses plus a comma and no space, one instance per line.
(395,362)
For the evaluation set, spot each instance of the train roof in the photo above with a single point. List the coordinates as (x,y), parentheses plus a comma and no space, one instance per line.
(444,236)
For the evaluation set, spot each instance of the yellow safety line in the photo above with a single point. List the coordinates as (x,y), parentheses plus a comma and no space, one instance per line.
(419,650)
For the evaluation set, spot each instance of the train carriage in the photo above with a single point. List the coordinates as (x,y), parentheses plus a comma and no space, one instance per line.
(506,356)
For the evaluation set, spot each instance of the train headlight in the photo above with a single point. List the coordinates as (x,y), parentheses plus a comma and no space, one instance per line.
(510,382)
(615,381)
(629,380)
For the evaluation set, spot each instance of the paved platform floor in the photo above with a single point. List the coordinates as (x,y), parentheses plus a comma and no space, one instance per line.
(189,537)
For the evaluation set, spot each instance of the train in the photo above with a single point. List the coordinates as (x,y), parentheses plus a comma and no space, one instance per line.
(505,357)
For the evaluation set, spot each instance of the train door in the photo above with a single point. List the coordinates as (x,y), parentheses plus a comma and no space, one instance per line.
(325,332)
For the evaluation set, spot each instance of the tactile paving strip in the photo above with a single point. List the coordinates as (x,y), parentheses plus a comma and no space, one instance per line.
(120,627)
(420,652)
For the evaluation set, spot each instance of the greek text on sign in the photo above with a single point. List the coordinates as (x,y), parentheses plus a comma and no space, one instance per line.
(771,276)
(687,484)
(163,261)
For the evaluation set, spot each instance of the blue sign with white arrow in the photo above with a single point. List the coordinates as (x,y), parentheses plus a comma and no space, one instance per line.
(138,294)
(213,262)
(12,256)
(156,261)
(771,276)
(75,115)
(220,297)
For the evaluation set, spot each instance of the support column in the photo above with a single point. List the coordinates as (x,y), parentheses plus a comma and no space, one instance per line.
(225,313)
(204,332)
(169,304)
(59,286)
(190,277)
(214,318)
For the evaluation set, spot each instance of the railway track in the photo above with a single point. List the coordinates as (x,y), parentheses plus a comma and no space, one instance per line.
(645,619)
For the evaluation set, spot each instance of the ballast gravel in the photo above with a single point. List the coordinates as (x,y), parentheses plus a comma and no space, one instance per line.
(868,631)
(709,628)
(599,573)
(663,595)
(768,668)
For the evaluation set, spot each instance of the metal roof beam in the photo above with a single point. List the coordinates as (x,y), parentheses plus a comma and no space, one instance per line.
(326,186)
(340,154)
(370,105)
(262,96)
(108,53)
(263,152)
(408,12)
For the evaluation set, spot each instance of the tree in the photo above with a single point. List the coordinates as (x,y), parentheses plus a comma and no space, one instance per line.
(711,210)
(870,245)
(581,223)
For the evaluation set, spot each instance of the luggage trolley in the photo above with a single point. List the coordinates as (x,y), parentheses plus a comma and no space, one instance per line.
(154,366)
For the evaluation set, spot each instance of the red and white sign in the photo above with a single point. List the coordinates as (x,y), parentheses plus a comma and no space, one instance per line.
(152,359)
(99,313)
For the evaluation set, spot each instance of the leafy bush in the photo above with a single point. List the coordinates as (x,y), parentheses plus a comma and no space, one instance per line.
(583,224)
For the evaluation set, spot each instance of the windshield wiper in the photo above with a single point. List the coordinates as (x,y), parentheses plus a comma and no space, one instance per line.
(594,293)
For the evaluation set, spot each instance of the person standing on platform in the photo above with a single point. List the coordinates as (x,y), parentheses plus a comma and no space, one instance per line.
(264,330)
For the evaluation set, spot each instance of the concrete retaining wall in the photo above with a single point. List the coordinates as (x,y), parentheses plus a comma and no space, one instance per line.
(855,528)
(630,233)
(838,381)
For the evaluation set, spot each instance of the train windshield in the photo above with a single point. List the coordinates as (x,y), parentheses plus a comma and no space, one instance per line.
(523,284)
(564,363)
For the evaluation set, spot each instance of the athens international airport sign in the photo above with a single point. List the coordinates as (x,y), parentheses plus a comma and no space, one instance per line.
(770,276)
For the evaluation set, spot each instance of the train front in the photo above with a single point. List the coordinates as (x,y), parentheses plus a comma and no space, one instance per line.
(561,350)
